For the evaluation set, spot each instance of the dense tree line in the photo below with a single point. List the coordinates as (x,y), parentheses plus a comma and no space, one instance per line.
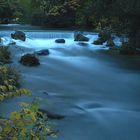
(121,16)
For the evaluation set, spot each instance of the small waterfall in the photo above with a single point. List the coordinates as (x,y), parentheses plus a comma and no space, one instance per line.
(41,34)
(50,35)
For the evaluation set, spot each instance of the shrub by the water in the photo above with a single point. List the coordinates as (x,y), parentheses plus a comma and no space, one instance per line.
(26,124)
(4,54)
(9,76)
(9,83)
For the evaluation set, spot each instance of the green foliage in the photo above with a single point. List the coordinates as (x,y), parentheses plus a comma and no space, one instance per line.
(9,82)
(4,54)
(54,12)
(26,124)
(9,76)
(11,91)
(9,11)
(122,17)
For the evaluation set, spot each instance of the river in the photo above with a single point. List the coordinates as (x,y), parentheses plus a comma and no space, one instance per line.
(98,91)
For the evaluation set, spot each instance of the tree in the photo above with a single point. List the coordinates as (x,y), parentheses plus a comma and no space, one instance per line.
(9,11)
(121,16)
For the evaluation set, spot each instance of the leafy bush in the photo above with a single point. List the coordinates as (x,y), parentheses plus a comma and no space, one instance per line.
(4,54)
(54,13)
(9,11)
(9,76)
(9,83)
(26,124)
(11,91)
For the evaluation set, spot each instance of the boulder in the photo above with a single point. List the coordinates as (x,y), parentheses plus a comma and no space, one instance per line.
(111,44)
(19,35)
(105,35)
(80,37)
(43,52)
(52,116)
(98,42)
(60,40)
(29,60)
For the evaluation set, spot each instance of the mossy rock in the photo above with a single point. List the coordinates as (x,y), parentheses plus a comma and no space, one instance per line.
(80,37)
(111,44)
(29,60)
(105,35)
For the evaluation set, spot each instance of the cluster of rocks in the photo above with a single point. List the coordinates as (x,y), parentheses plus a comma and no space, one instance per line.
(105,36)
(32,59)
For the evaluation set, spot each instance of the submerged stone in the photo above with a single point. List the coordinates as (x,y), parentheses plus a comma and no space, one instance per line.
(43,52)
(51,115)
(60,40)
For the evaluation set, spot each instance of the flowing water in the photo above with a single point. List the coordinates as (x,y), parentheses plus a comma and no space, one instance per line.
(97,91)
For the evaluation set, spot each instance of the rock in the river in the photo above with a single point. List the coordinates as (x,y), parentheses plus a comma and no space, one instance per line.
(43,52)
(80,37)
(52,116)
(19,35)
(98,42)
(60,40)
(110,44)
(29,60)
(104,36)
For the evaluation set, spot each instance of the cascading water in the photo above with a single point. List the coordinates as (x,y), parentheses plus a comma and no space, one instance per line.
(39,39)
(49,34)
